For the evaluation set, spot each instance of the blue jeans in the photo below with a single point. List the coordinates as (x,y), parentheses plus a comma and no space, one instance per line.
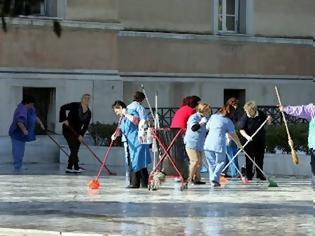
(18,148)
(216,162)
(231,150)
(313,161)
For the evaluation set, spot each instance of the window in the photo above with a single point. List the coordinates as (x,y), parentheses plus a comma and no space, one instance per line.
(32,7)
(228,15)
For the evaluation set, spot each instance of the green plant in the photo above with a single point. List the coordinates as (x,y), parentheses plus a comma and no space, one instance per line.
(276,138)
(101,133)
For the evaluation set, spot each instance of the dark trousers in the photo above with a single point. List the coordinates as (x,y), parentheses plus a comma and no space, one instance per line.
(313,161)
(74,146)
(256,150)
(139,177)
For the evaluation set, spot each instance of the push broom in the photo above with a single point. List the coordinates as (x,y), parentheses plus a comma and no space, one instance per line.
(294,155)
(272,183)
(92,152)
(95,184)
(244,179)
(54,141)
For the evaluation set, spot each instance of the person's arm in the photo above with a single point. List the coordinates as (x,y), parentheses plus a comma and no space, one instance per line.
(63,111)
(40,123)
(303,111)
(23,128)
(242,126)
(197,125)
(133,119)
(235,138)
(142,113)
(21,118)
(116,134)
(85,125)
(230,130)
(245,135)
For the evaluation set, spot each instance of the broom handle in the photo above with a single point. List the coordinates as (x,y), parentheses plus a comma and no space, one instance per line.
(242,148)
(107,152)
(148,102)
(283,116)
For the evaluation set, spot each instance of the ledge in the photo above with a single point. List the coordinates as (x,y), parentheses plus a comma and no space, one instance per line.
(48,21)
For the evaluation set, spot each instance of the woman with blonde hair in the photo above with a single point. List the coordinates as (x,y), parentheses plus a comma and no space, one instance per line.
(249,123)
(194,140)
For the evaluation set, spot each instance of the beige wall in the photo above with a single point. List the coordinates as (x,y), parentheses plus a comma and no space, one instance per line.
(40,48)
(92,10)
(166,15)
(289,18)
(214,57)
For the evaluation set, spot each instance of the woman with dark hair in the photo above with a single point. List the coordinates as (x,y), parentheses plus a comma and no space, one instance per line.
(231,147)
(182,115)
(22,129)
(219,125)
(138,154)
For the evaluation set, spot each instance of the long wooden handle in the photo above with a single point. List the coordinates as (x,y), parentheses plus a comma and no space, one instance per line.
(291,144)
(283,116)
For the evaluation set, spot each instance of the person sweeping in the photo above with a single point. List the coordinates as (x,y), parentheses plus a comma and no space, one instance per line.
(219,125)
(138,154)
(75,125)
(22,129)
(194,141)
(249,123)
(305,112)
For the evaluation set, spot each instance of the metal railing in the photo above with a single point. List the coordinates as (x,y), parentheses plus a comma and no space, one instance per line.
(166,115)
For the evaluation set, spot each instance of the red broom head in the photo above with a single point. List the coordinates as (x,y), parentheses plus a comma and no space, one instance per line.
(94,184)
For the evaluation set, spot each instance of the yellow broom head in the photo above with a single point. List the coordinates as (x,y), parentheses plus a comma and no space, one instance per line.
(295,157)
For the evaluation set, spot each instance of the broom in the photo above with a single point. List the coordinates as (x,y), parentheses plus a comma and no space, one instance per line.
(244,179)
(294,155)
(92,152)
(94,183)
(272,183)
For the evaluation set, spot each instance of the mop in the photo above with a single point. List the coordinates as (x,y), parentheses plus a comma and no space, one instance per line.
(294,155)
(244,179)
(95,184)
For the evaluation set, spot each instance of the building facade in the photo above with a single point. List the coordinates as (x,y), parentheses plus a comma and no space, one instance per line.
(108,48)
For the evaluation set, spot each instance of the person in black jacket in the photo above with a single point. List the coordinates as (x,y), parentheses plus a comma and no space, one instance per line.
(75,124)
(249,123)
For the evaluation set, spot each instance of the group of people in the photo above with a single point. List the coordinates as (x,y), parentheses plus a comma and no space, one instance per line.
(214,137)
(203,135)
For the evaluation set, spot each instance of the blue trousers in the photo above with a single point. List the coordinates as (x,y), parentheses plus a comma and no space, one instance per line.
(231,150)
(18,149)
(216,162)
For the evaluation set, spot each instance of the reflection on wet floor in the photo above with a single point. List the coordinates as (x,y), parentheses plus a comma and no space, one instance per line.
(63,203)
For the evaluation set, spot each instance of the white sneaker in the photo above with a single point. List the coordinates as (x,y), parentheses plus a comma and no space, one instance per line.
(77,170)
(68,170)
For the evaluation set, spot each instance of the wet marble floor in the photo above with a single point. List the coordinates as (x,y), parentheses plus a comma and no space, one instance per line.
(46,201)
